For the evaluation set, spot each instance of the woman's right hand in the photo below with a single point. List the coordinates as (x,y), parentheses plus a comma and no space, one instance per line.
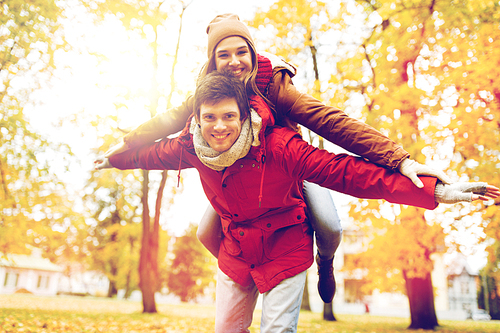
(102,163)
(116,149)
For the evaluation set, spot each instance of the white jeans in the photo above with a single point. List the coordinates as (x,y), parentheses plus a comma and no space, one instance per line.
(280,306)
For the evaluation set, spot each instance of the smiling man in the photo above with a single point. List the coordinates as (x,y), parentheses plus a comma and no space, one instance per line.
(252,172)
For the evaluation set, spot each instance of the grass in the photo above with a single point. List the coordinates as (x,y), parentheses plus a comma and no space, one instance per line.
(27,313)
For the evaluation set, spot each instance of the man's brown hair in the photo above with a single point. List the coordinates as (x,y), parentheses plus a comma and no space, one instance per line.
(217,86)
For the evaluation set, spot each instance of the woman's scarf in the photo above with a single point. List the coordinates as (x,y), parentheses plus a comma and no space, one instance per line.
(249,136)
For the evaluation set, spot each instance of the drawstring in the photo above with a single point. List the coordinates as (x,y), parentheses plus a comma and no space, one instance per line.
(263,168)
(179,173)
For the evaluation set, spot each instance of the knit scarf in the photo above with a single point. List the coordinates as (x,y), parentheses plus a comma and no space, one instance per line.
(218,161)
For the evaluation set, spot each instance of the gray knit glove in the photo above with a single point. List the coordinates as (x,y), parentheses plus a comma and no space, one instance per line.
(458,192)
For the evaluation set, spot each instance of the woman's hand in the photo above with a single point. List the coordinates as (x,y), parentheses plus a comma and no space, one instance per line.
(102,163)
(116,149)
(412,169)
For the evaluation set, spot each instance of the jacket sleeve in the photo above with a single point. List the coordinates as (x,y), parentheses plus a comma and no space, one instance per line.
(160,126)
(350,175)
(163,155)
(333,124)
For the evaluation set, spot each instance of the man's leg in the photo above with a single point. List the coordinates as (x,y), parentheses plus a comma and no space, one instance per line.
(234,305)
(281,305)
(326,224)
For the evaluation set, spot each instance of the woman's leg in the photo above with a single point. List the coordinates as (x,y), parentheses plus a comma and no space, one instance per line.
(326,224)
(281,305)
(209,231)
(234,305)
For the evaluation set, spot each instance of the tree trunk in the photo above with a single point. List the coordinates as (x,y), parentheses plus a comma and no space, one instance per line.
(306,306)
(328,312)
(148,267)
(421,298)
(112,289)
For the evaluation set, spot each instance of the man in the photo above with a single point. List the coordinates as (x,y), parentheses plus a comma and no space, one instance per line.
(252,173)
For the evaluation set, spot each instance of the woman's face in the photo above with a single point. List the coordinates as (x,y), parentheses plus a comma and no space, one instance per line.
(233,53)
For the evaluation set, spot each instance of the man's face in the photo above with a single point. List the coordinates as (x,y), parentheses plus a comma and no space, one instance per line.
(220,124)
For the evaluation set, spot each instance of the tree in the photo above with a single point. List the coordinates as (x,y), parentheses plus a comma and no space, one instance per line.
(33,200)
(407,56)
(192,269)
(467,68)
(487,297)
(144,19)
(410,261)
(114,232)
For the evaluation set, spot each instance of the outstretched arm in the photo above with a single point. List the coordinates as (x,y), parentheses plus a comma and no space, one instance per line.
(158,127)
(357,177)
(349,133)
(163,155)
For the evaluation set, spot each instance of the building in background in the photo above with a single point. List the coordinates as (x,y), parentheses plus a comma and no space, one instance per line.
(455,285)
(29,274)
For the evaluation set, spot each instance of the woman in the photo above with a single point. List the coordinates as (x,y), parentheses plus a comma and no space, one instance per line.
(230,46)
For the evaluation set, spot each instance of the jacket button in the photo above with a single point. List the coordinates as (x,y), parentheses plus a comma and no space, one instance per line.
(299,217)
(241,166)
(241,233)
(224,185)
(269,225)
(252,266)
(253,165)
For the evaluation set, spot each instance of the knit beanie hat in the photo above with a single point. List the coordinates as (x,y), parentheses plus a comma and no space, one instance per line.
(223,26)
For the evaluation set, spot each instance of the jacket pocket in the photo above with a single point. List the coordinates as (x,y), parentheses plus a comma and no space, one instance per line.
(231,246)
(283,234)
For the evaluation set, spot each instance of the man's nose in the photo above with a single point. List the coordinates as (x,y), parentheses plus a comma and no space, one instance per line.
(220,125)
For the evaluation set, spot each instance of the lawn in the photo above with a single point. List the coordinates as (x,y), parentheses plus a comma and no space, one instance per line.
(26,313)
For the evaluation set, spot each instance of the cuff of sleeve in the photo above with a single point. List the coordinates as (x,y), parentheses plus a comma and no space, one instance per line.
(429,188)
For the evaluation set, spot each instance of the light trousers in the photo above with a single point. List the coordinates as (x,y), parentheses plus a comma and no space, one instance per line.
(323,218)
(235,305)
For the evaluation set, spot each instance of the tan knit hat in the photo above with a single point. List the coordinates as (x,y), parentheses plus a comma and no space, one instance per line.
(223,26)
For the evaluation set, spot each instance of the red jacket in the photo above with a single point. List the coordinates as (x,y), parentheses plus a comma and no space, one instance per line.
(274,80)
(264,217)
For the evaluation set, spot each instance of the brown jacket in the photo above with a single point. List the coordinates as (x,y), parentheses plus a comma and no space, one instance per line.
(291,107)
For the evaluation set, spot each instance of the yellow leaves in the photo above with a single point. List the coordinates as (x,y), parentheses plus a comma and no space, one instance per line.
(403,243)
(55,315)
